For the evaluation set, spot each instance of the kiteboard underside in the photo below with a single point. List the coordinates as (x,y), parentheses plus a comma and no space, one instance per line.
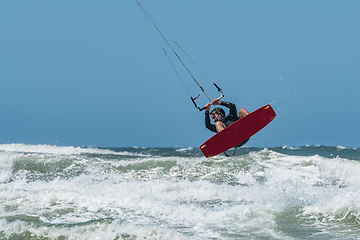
(238,132)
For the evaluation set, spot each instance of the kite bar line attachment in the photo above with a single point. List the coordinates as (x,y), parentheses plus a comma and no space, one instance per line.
(219,90)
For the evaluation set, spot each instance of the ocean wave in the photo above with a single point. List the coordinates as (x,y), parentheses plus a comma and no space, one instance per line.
(184,149)
(259,193)
(61,150)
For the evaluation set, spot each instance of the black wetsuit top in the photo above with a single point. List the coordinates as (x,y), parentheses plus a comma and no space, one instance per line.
(229,119)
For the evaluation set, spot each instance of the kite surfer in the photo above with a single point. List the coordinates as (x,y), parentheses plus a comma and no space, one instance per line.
(235,133)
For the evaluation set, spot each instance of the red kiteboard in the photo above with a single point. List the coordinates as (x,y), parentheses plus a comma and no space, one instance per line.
(238,132)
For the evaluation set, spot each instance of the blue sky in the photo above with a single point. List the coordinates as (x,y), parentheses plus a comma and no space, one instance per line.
(92,73)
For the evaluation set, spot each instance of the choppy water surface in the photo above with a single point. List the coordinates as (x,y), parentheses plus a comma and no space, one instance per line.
(52,192)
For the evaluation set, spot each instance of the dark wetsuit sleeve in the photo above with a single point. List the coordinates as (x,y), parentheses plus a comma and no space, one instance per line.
(233,110)
(208,125)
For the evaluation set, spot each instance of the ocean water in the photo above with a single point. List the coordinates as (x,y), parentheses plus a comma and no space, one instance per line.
(54,192)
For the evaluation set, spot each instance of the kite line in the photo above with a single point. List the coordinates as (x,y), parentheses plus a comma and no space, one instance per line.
(156,27)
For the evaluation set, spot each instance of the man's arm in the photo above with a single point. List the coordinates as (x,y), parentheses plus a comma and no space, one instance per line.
(231,106)
(208,125)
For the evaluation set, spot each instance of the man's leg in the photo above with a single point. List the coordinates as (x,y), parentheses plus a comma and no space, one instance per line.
(243,112)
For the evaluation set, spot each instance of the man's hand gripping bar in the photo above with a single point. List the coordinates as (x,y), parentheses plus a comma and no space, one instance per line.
(221,96)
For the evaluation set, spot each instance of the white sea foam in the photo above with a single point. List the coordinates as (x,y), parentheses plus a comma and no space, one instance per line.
(291,148)
(50,149)
(177,198)
(60,150)
(6,161)
(341,171)
(341,147)
(184,149)
(330,188)
(116,229)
